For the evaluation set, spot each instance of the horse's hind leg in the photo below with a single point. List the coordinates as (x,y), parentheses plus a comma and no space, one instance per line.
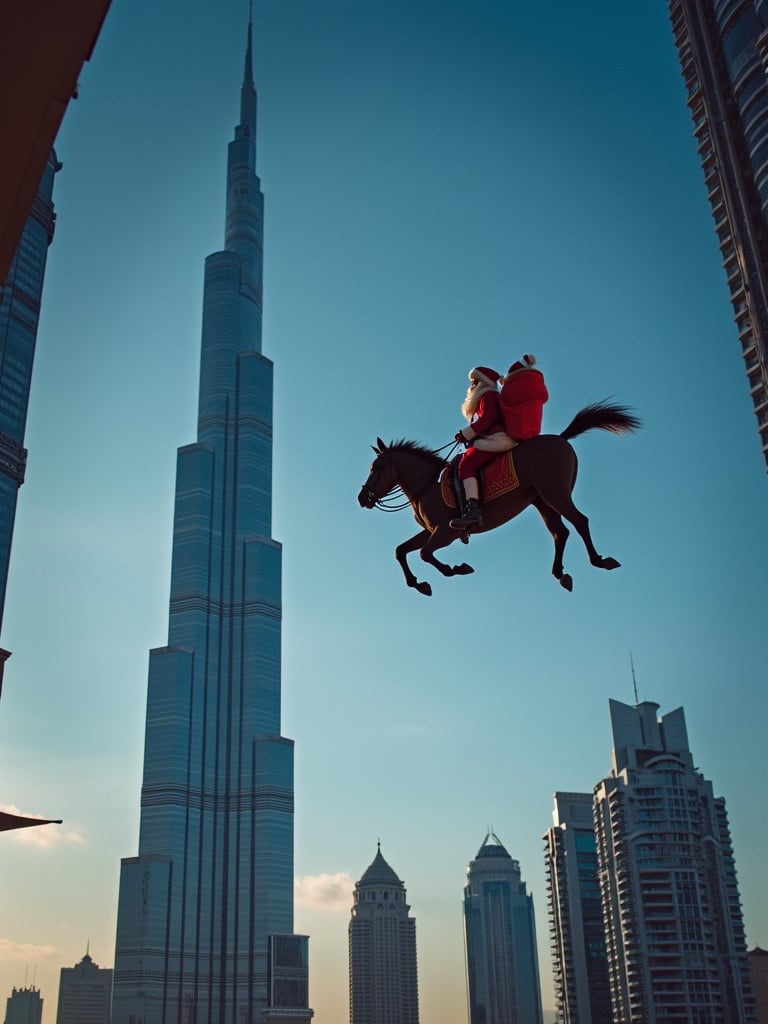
(564,505)
(560,533)
(401,554)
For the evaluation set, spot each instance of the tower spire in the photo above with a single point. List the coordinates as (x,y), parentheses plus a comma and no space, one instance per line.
(248,90)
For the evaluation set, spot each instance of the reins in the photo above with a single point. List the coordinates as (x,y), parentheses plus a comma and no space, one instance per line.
(384,503)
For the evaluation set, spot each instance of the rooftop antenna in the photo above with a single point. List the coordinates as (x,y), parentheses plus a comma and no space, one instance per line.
(634,681)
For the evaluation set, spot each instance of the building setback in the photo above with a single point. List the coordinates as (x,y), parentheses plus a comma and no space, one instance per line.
(579,964)
(213,879)
(85,994)
(24,1006)
(723,50)
(674,931)
(500,940)
(383,981)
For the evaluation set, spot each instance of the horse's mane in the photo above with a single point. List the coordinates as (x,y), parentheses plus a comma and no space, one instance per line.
(404,445)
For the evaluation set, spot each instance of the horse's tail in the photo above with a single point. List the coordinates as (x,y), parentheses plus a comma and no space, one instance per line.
(605,415)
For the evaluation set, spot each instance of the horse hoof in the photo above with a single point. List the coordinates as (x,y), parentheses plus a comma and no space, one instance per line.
(424,588)
(609,563)
(462,570)
(566,582)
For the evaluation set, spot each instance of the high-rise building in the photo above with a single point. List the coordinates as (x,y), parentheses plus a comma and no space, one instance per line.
(673,926)
(85,993)
(383,982)
(213,879)
(500,940)
(19,314)
(723,49)
(580,967)
(24,1006)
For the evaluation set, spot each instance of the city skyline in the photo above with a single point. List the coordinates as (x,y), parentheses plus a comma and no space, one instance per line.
(446,186)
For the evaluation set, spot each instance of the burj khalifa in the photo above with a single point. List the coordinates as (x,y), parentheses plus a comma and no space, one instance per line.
(205,911)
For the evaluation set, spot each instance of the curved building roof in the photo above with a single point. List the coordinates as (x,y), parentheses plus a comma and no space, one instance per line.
(492,849)
(379,873)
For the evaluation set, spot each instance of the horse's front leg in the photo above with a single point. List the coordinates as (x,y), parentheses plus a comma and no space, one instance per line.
(401,554)
(441,537)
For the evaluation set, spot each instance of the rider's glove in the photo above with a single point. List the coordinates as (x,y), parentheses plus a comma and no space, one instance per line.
(458,436)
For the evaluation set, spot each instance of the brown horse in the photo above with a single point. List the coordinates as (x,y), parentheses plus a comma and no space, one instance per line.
(546,468)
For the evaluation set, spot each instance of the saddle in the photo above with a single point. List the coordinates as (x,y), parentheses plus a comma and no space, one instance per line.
(494,479)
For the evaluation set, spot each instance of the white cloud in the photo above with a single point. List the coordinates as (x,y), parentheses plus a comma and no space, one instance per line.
(43,836)
(10,950)
(327,892)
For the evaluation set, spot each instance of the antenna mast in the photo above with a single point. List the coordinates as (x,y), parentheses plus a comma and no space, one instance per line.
(634,681)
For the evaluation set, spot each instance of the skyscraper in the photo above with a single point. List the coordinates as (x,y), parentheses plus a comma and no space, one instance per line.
(85,993)
(24,1006)
(580,967)
(500,940)
(19,314)
(213,878)
(723,49)
(674,932)
(383,983)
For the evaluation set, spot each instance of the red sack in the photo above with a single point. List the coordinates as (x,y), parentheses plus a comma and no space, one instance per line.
(522,397)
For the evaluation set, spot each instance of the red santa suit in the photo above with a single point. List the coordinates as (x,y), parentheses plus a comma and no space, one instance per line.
(522,398)
(487,422)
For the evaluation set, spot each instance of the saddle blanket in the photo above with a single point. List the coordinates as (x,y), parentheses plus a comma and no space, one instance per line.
(498,477)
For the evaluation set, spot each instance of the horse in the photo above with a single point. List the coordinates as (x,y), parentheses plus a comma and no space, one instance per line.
(546,467)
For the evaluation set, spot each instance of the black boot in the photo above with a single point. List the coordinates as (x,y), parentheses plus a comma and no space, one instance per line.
(472,517)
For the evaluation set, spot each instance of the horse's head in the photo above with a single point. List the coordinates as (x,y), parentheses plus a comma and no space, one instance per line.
(382,478)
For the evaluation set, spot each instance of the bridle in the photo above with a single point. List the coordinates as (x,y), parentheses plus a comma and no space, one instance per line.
(385,502)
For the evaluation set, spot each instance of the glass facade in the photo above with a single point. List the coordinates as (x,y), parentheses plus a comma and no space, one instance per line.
(579,962)
(500,940)
(723,49)
(19,314)
(214,873)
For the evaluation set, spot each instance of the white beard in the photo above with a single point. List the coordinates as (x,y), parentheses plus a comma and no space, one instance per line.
(472,400)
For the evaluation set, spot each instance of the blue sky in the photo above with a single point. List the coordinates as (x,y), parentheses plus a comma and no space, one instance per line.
(447,184)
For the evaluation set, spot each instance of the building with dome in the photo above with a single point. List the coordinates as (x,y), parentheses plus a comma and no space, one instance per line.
(500,938)
(383,982)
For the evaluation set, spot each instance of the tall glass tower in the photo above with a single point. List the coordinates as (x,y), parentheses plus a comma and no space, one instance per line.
(19,314)
(500,936)
(201,906)
(723,48)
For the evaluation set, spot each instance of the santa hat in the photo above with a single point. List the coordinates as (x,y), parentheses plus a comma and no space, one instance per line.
(526,363)
(485,375)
